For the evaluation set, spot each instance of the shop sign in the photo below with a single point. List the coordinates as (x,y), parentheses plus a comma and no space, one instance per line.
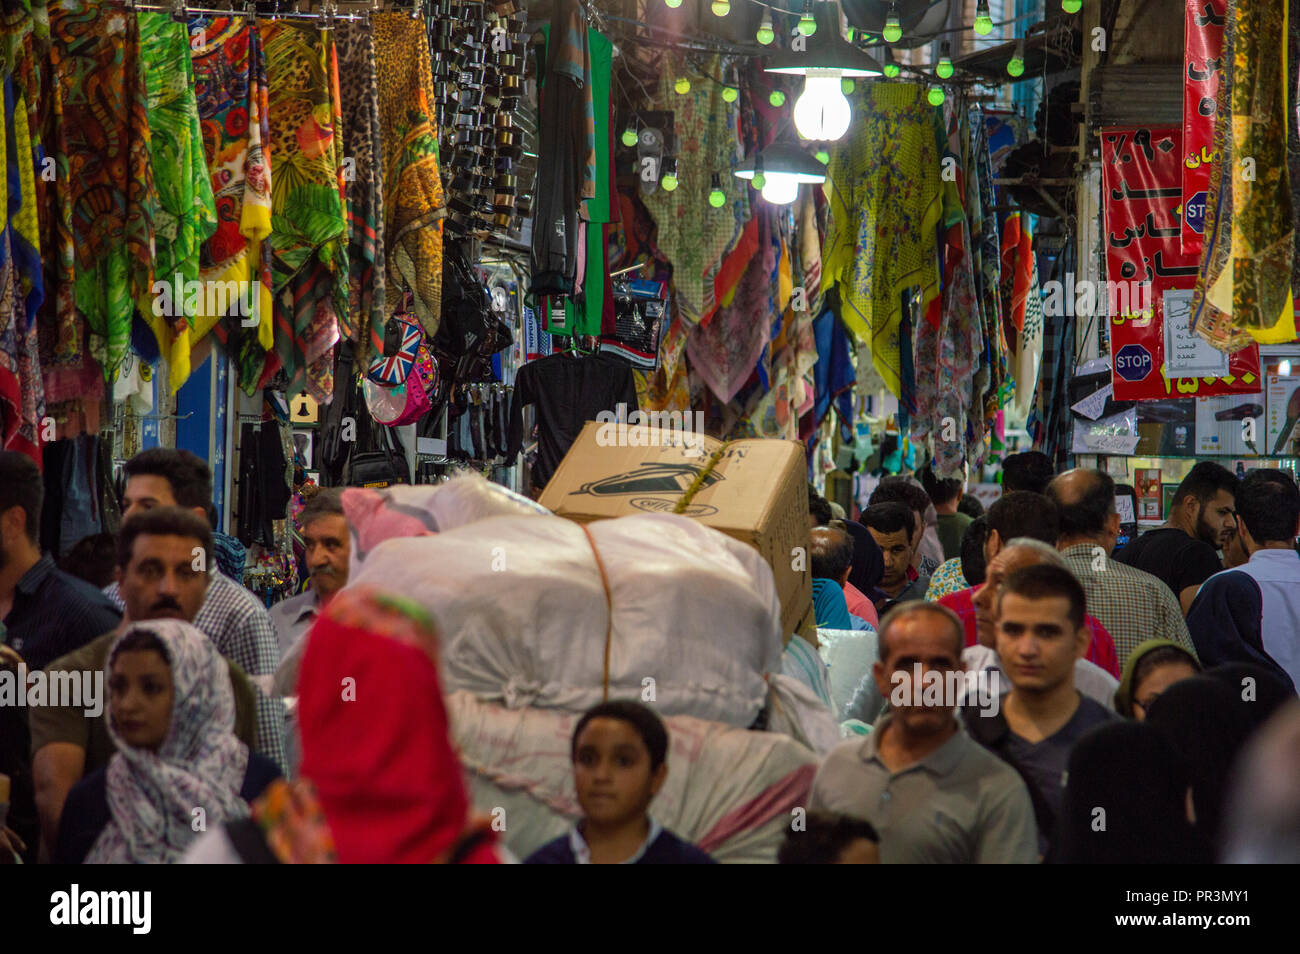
(1202,73)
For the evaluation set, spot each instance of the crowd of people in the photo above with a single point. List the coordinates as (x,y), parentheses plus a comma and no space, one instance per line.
(1009,686)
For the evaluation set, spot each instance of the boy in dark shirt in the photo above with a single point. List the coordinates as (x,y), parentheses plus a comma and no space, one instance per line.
(620,751)
(1184,552)
(1040,634)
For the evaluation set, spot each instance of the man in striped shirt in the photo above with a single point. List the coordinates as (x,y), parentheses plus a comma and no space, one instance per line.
(1132,605)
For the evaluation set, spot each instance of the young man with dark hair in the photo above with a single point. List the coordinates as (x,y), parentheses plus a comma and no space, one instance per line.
(830,840)
(945,494)
(163,567)
(1015,514)
(1252,613)
(892,526)
(1031,471)
(1132,605)
(934,795)
(231,616)
(620,761)
(1041,635)
(1184,552)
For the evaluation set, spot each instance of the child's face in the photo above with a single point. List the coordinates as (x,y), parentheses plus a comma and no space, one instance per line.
(611,772)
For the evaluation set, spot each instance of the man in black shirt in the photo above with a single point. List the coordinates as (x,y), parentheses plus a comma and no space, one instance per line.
(1183,553)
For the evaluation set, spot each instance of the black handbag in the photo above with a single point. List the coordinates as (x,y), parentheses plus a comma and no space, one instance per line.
(380,467)
(466,306)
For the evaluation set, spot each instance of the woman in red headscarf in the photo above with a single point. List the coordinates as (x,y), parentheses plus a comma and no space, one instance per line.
(381,782)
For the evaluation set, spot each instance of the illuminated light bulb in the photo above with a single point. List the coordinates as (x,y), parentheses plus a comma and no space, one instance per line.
(1016,65)
(822,156)
(807,25)
(673,4)
(893,31)
(822,113)
(781,188)
(720,8)
(1071,6)
(848,86)
(629,136)
(983,22)
(892,69)
(717,198)
(935,96)
(759,180)
(777,99)
(765,34)
(944,69)
(669,181)
(1284,369)
(730,94)
(683,85)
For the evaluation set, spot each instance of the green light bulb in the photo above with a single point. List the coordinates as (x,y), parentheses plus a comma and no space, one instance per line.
(935,96)
(893,28)
(944,69)
(730,94)
(983,22)
(847,86)
(720,8)
(892,70)
(759,180)
(717,198)
(777,98)
(629,136)
(1071,6)
(1015,66)
(683,85)
(674,4)
(765,34)
(822,156)
(807,25)
(669,182)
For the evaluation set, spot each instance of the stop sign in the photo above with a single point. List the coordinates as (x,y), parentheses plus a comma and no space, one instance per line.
(1133,362)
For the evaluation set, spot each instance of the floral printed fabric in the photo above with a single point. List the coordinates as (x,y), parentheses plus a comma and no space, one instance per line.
(414,204)
(104,184)
(151,795)
(309,228)
(883,187)
(231,91)
(294,825)
(1243,289)
(184,214)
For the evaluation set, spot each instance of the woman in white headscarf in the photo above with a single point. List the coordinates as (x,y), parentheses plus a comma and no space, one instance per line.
(172,717)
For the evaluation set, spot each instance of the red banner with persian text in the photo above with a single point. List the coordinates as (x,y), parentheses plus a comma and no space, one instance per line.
(1154,354)
(1203,71)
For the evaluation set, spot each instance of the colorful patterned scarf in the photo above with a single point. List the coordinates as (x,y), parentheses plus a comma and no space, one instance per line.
(883,187)
(414,205)
(231,90)
(183,215)
(105,178)
(367,310)
(152,795)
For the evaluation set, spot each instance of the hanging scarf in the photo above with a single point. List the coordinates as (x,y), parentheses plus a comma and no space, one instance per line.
(231,90)
(105,178)
(152,795)
(183,215)
(379,750)
(883,187)
(309,248)
(414,205)
(1243,288)
(367,312)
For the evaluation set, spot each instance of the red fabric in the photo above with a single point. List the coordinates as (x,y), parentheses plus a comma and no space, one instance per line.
(1101,651)
(388,779)
(861,605)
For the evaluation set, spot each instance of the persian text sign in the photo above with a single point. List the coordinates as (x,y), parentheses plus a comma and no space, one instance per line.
(1202,74)
(1141,193)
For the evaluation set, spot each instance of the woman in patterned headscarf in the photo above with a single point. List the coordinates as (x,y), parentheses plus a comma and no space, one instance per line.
(172,717)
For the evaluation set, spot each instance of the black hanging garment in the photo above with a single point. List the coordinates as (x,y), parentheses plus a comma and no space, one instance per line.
(263,490)
(569,391)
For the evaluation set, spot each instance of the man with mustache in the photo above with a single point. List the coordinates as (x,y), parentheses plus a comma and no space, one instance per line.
(328,548)
(163,574)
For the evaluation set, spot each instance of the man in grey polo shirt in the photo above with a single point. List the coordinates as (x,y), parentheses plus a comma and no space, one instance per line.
(934,795)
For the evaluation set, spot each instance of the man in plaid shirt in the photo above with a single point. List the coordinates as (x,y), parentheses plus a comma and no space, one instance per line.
(1133,605)
(231,616)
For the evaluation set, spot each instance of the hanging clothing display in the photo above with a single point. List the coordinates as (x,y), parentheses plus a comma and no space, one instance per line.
(883,187)
(231,88)
(414,204)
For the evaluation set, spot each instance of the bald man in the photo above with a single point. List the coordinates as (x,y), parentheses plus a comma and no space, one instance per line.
(1133,605)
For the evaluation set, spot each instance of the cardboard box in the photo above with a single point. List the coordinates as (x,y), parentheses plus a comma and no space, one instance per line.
(756,491)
